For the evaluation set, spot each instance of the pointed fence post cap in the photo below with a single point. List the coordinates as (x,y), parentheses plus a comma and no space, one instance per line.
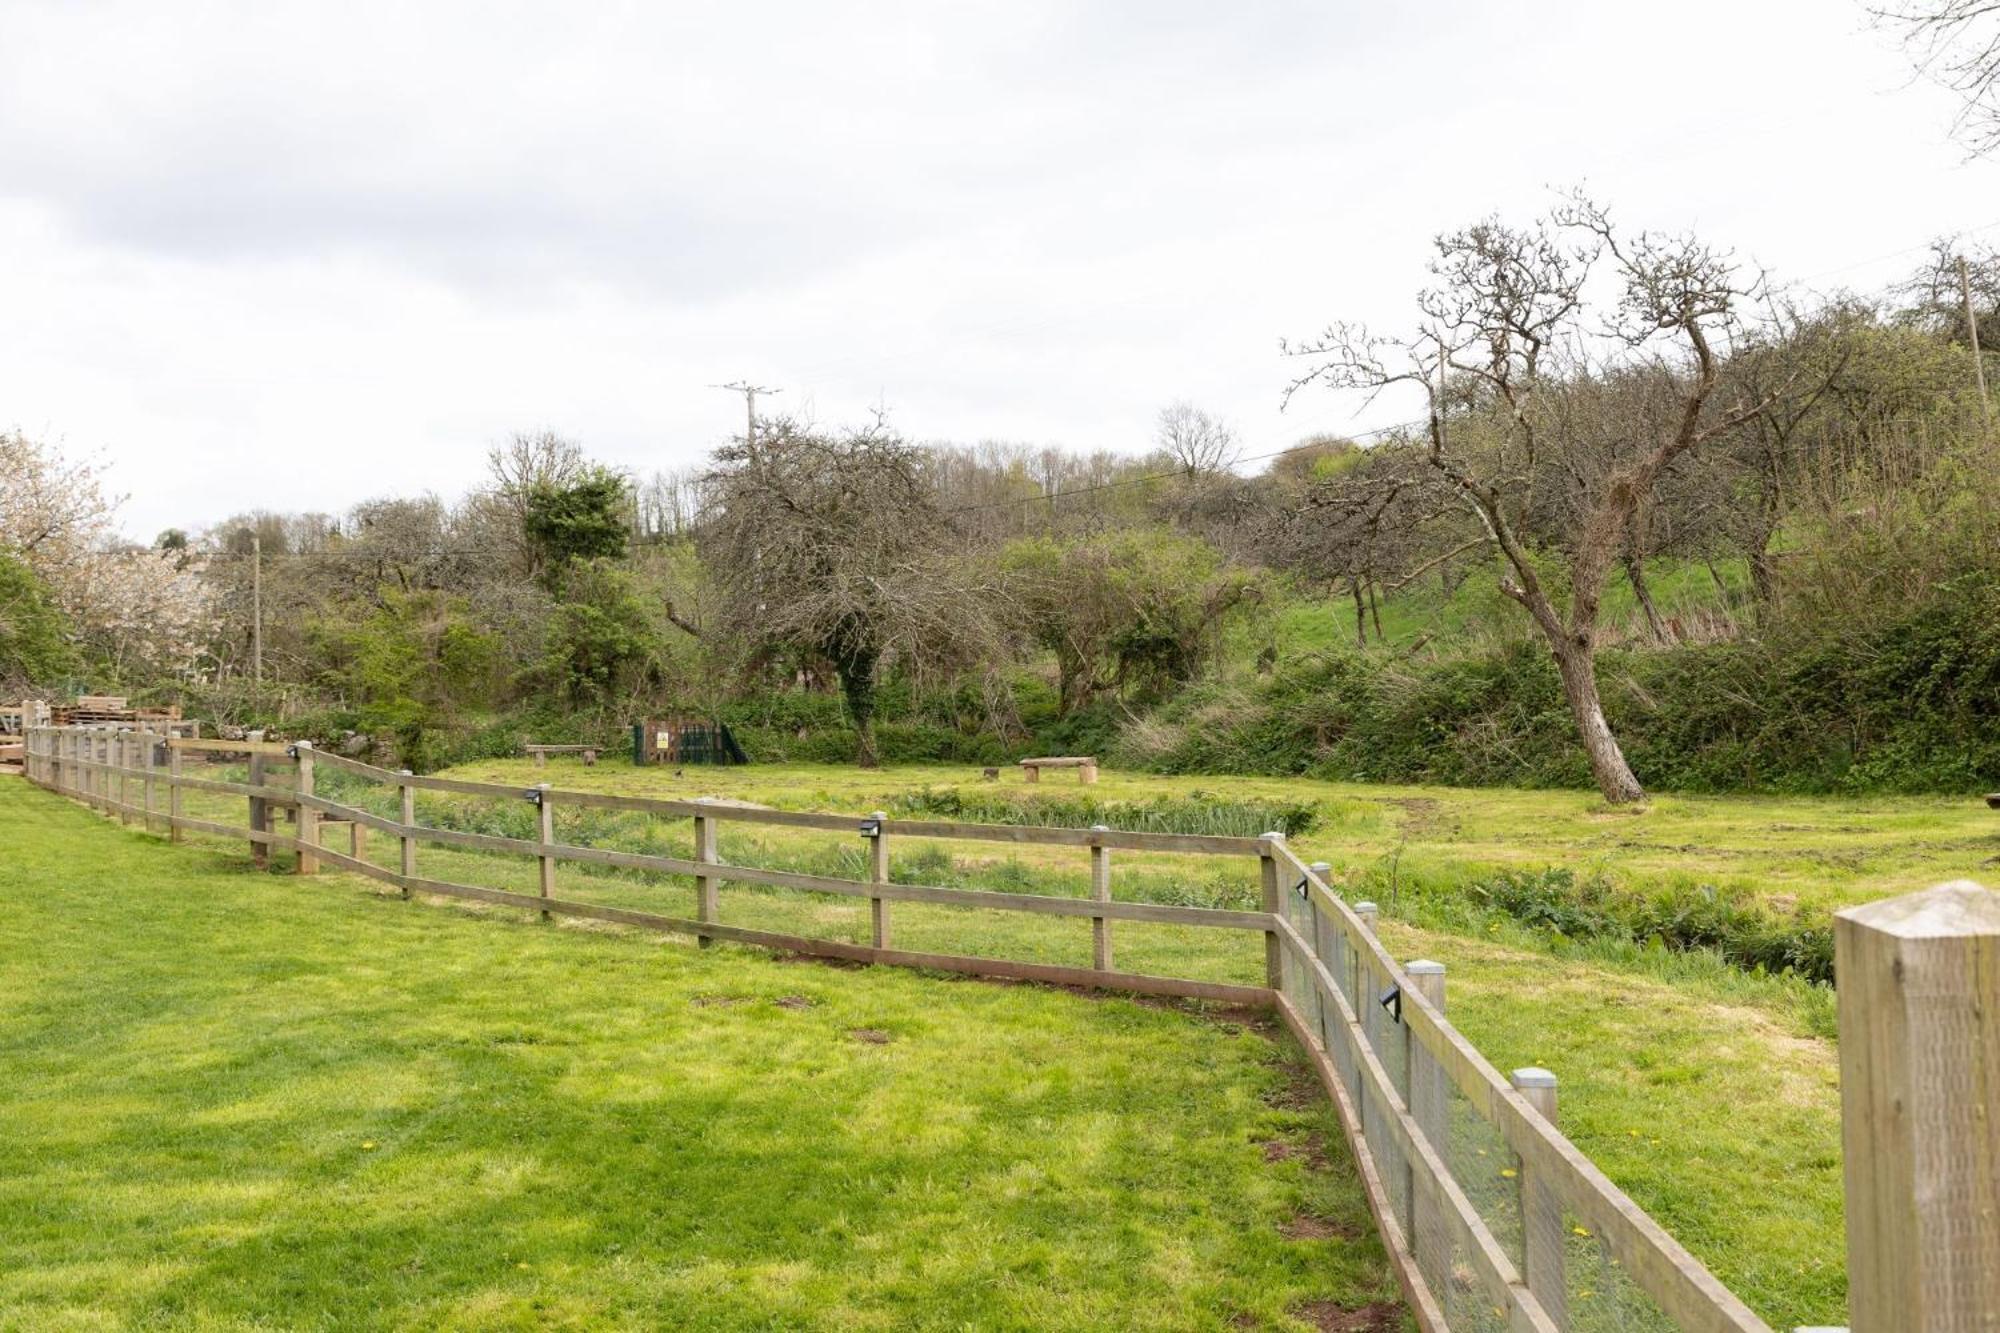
(1948,910)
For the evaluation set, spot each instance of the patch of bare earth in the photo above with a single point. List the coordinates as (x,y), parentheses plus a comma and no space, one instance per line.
(872,1036)
(1332,1317)
(1306,1226)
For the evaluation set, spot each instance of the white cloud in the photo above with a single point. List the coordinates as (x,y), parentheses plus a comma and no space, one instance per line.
(297,255)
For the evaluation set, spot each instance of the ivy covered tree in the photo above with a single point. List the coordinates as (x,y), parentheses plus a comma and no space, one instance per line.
(586,516)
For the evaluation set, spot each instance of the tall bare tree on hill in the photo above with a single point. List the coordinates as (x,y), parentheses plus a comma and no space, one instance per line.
(1512,355)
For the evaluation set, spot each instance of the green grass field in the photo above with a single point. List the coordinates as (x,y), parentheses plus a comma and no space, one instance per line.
(1707,1092)
(238,1100)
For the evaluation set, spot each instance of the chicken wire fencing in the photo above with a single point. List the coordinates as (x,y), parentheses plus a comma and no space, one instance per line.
(1489,1230)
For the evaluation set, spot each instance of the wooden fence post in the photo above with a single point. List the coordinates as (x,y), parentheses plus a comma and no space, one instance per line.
(545,835)
(1321,939)
(408,803)
(148,757)
(260,815)
(308,822)
(706,904)
(1274,955)
(1919,1007)
(1543,1235)
(1428,1097)
(878,873)
(1100,890)
(173,792)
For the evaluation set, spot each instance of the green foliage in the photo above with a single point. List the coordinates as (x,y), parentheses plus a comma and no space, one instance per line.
(1731,924)
(1132,610)
(1196,812)
(587,518)
(410,667)
(35,643)
(1907,703)
(601,646)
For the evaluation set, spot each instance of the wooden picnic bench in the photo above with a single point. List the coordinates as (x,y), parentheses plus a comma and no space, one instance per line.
(542,753)
(1085,766)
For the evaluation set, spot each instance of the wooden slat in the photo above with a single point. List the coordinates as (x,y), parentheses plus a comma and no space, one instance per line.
(278,748)
(993,967)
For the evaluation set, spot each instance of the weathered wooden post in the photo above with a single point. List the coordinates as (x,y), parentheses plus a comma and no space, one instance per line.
(545,836)
(1100,891)
(1320,936)
(1427,1096)
(173,791)
(408,803)
(308,820)
(1274,954)
(1542,1230)
(706,905)
(260,814)
(878,873)
(1919,1006)
(148,758)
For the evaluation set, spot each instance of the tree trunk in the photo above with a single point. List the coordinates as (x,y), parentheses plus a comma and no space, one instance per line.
(1360,614)
(1577,664)
(1375,612)
(1635,574)
(857,686)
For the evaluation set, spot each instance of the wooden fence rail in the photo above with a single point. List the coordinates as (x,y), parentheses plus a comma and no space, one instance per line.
(1492,1218)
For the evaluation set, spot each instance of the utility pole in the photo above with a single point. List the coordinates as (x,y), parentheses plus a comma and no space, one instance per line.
(1972,332)
(256,608)
(749,392)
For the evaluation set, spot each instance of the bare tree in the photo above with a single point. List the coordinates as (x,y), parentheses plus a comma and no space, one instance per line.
(833,545)
(527,461)
(1956,43)
(1200,445)
(1508,346)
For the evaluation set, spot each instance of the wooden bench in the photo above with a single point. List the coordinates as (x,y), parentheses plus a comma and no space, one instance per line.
(542,753)
(1085,766)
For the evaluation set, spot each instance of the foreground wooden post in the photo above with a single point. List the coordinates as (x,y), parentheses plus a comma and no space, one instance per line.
(1425,1093)
(1274,955)
(706,906)
(545,835)
(1100,891)
(173,792)
(408,796)
(308,822)
(1321,938)
(1542,1227)
(1919,1005)
(878,873)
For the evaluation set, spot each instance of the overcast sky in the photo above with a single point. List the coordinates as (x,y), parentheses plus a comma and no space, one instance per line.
(293,256)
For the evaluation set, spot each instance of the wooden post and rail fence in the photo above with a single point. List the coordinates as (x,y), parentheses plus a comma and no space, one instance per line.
(1492,1219)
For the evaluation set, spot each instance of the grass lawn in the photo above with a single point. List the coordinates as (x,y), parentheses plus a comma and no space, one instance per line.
(237,1100)
(1709,1094)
